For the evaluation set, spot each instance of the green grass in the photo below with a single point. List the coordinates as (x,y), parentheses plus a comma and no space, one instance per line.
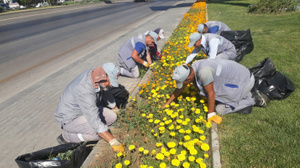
(268,137)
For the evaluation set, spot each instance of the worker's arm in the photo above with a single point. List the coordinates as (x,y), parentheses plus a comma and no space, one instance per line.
(174,95)
(211,95)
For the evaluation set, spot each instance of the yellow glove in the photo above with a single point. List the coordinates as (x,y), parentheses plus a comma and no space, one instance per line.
(116,145)
(146,64)
(214,117)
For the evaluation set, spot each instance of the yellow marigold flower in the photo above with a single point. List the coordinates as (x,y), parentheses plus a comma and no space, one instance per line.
(163,150)
(162,165)
(171,127)
(162,124)
(200,131)
(178,127)
(193,109)
(193,152)
(181,157)
(173,151)
(165,118)
(191,158)
(205,147)
(202,101)
(181,116)
(202,137)
(158,144)
(186,165)
(120,154)
(172,134)
(155,134)
(183,152)
(208,124)
(179,121)
(131,147)
(184,123)
(143,166)
(202,165)
(126,162)
(199,160)
(150,120)
(160,156)
(171,144)
(175,162)
(156,121)
(182,131)
(188,131)
(167,154)
(187,137)
(197,111)
(206,155)
(150,167)
(180,143)
(141,149)
(153,152)
(143,115)
(119,165)
(146,152)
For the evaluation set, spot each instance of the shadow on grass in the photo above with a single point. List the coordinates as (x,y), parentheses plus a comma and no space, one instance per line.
(228,2)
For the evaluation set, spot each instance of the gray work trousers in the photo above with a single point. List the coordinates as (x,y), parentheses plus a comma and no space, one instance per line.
(79,130)
(246,101)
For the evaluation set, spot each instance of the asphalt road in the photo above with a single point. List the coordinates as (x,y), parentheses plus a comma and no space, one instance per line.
(35,44)
(31,83)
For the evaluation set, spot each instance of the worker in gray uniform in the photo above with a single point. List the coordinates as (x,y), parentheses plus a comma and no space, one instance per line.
(213,45)
(225,83)
(214,27)
(78,113)
(131,53)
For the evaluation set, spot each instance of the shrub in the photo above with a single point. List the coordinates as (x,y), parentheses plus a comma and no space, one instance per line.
(273,6)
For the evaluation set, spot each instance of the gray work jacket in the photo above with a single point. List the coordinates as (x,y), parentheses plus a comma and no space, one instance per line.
(79,99)
(230,80)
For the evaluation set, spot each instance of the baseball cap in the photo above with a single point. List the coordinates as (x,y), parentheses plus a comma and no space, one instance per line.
(200,28)
(113,73)
(160,32)
(180,74)
(98,74)
(153,35)
(193,38)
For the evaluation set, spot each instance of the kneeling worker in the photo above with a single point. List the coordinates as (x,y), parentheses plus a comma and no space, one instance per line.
(226,83)
(77,112)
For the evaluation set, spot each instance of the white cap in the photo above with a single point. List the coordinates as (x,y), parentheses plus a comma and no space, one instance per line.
(180,74)
(153,35)
(193,38)
(160,32)
(113,73)
(200,28)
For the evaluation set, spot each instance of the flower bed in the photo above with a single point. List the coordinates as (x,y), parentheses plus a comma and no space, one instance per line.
(174,136)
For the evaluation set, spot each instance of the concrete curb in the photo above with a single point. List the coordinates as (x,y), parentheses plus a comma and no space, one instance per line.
(214,144)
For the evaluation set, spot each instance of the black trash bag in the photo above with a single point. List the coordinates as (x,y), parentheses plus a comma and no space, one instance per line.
(121,96)
(276,86)
(263,69)
(39,159)
(242,40)
(271,82)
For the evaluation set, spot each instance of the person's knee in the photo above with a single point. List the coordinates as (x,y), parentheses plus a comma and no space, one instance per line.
(222,109)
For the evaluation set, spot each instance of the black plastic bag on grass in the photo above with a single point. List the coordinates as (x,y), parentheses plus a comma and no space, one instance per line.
(271,82)
(242,40)
(39,159)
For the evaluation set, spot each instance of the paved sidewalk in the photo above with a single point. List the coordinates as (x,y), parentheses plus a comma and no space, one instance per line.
(27,121)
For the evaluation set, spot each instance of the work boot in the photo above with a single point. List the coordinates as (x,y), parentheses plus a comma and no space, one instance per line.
(261,100)
(60,139)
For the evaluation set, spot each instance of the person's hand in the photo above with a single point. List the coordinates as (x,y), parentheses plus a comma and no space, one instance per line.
(214,117)
(116,145)
(146,64)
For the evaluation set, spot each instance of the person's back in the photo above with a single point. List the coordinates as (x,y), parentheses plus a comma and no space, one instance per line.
(215,27)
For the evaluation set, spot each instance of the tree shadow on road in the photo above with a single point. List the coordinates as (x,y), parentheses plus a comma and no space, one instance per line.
(163,8)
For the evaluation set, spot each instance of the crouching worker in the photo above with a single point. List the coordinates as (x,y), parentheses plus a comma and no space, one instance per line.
(225,83)
(77,112)
(131,53)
